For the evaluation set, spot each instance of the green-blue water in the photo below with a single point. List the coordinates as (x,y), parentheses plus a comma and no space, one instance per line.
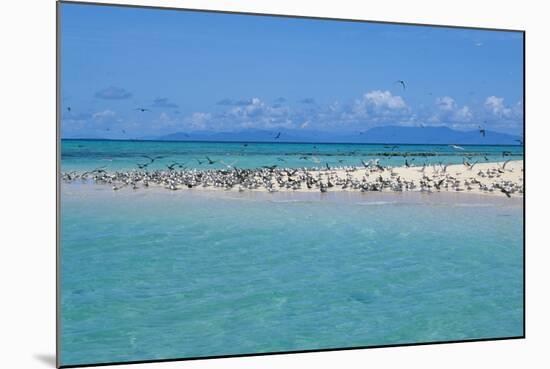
(153,274)
(125,155)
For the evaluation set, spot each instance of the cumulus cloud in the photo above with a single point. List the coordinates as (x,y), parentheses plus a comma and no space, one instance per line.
(384,99)
(372,108)
(199,120)
(246,102)
(164,102)
(113,93)
(464,114)
(446,103)
(448,111)
(496,106)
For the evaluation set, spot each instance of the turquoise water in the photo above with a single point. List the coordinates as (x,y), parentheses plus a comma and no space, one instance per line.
(125,155)
(154,274)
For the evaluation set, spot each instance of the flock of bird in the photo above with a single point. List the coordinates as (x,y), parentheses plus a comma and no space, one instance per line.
(369,176)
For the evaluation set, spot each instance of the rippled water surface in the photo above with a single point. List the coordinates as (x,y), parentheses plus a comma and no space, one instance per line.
(125,155)
(158,274)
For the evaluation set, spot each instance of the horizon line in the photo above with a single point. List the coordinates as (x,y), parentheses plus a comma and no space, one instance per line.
(276,142)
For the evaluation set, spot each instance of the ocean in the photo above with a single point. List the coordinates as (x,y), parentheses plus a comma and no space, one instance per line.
(125,155)
(155,274)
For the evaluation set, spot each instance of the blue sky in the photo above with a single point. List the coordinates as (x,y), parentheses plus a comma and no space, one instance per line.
(197,71)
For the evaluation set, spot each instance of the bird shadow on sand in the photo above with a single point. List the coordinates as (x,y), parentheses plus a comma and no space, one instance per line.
(48,359)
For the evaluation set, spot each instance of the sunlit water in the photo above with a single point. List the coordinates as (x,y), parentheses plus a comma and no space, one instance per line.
(125,155)
(153,274)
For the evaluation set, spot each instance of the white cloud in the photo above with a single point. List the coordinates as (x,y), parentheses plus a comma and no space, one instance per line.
(448,111)
(384,99)
(496,105)
(464,114)
(199,119)
(374,107)
(100,115)
(256,113)
(371,109)
(446,103)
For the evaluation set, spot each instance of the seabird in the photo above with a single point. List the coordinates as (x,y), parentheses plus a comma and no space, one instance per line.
(482,131)
(456,147)
(210,161)
(152,158)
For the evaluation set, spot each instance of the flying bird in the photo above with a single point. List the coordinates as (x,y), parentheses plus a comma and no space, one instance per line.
(456,147)
(175,164)
(520,141)
(505,191)
(210,161)
(152,158)
(69,109)
(278,135)
(482,131)
(407,164)
(142,109)
(402,83)
(468,165)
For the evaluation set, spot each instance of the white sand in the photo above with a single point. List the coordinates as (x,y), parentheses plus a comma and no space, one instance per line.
(469,180)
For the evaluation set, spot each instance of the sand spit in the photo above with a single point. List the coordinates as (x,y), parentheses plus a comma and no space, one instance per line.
(503,178)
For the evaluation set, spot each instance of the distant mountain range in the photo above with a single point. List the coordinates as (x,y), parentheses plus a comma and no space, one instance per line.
(383,135)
